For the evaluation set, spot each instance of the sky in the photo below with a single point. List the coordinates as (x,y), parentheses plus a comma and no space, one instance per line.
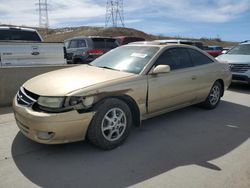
(225,19)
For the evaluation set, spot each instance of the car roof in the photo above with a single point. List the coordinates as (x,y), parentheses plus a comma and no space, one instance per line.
(177,41)
(89,37)
(159,44)
(156,43)
(122,37)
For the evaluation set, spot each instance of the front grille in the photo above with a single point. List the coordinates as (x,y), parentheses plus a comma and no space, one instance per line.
(241,78)
(26,98)
(240,68)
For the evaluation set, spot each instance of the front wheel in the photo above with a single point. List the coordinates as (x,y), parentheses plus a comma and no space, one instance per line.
(110,125)
(214,96)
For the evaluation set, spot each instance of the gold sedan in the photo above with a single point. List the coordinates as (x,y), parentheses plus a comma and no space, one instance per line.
(102,100)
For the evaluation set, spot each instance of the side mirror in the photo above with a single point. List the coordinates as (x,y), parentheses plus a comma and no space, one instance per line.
(161,69)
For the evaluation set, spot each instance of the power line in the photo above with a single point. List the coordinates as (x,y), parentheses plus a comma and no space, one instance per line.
(114,13)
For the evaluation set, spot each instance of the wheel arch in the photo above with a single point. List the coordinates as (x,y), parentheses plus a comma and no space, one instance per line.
(132,105)
(222,85)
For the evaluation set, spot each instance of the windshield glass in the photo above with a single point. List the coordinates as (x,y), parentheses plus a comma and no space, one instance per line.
(243,49)
(127,58)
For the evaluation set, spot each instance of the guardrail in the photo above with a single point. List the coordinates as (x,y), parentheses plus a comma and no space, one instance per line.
(11,78)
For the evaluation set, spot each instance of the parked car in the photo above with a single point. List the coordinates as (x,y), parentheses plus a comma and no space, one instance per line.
(198,44)
(84,49)
(122,40)
(25,47)
(239,60)
(102,100)
(213,50)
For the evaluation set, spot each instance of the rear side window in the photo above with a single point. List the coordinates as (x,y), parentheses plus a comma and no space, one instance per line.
(19,35)
(77,44)
(81,43)
(177,58)
(99,43)
(198,58)
(73,44)
(111,43)
(104,43)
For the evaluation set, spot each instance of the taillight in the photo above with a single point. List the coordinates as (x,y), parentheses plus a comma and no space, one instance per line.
(95,52)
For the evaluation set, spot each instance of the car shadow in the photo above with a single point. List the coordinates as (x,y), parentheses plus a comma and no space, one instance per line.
(188,136)
(240,87)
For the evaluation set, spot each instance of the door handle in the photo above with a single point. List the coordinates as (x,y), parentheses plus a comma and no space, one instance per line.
(194,77)
(35,53)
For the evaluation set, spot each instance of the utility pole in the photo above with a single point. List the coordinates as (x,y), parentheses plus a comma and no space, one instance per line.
(114,13)
(43,14)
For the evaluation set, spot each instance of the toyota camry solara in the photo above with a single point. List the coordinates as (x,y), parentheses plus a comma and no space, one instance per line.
(101,101)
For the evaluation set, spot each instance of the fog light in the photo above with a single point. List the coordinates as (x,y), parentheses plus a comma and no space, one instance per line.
(45,135)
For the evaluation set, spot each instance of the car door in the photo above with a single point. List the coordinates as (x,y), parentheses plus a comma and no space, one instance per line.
(206,70)
(173,89)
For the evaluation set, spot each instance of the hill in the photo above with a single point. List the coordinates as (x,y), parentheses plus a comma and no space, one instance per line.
(59,35)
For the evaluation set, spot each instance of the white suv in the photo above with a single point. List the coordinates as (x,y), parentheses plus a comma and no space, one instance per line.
(239,59)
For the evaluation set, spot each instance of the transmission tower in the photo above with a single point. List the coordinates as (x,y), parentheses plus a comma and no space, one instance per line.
(114,13)
(43,13)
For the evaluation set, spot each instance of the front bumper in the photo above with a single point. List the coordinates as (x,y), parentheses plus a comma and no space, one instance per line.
(53,128)
(241,77)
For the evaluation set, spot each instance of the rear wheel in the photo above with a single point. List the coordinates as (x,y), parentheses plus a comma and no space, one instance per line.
(110,125)
(214,96)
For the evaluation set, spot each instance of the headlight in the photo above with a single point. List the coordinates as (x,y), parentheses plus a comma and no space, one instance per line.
(75,100)
(51,102)
(85,101)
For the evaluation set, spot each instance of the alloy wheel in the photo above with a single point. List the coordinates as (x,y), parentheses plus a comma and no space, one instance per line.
(114,124)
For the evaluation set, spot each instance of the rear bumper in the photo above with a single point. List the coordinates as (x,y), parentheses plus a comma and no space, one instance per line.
(53,128)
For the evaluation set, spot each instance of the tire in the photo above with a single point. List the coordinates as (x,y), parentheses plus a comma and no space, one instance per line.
(110,125)
(214,96)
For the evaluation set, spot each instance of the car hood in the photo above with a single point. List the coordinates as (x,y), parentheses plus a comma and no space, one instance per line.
(236,59)
(64,81)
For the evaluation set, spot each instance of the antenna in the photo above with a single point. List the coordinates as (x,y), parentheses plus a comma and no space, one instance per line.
(43,14)
(114,13)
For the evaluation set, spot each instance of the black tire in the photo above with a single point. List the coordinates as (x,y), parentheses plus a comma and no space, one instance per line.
(96,134)
(209,103)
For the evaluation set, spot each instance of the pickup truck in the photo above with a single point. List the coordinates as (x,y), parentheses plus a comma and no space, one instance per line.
(25,47)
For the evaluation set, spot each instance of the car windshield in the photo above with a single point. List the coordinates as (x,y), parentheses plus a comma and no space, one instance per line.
(127,58)
(243,49)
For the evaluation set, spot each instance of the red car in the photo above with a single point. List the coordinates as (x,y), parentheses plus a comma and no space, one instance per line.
(214,50)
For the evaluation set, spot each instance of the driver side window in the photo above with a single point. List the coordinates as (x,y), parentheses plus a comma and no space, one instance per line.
(176,58)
